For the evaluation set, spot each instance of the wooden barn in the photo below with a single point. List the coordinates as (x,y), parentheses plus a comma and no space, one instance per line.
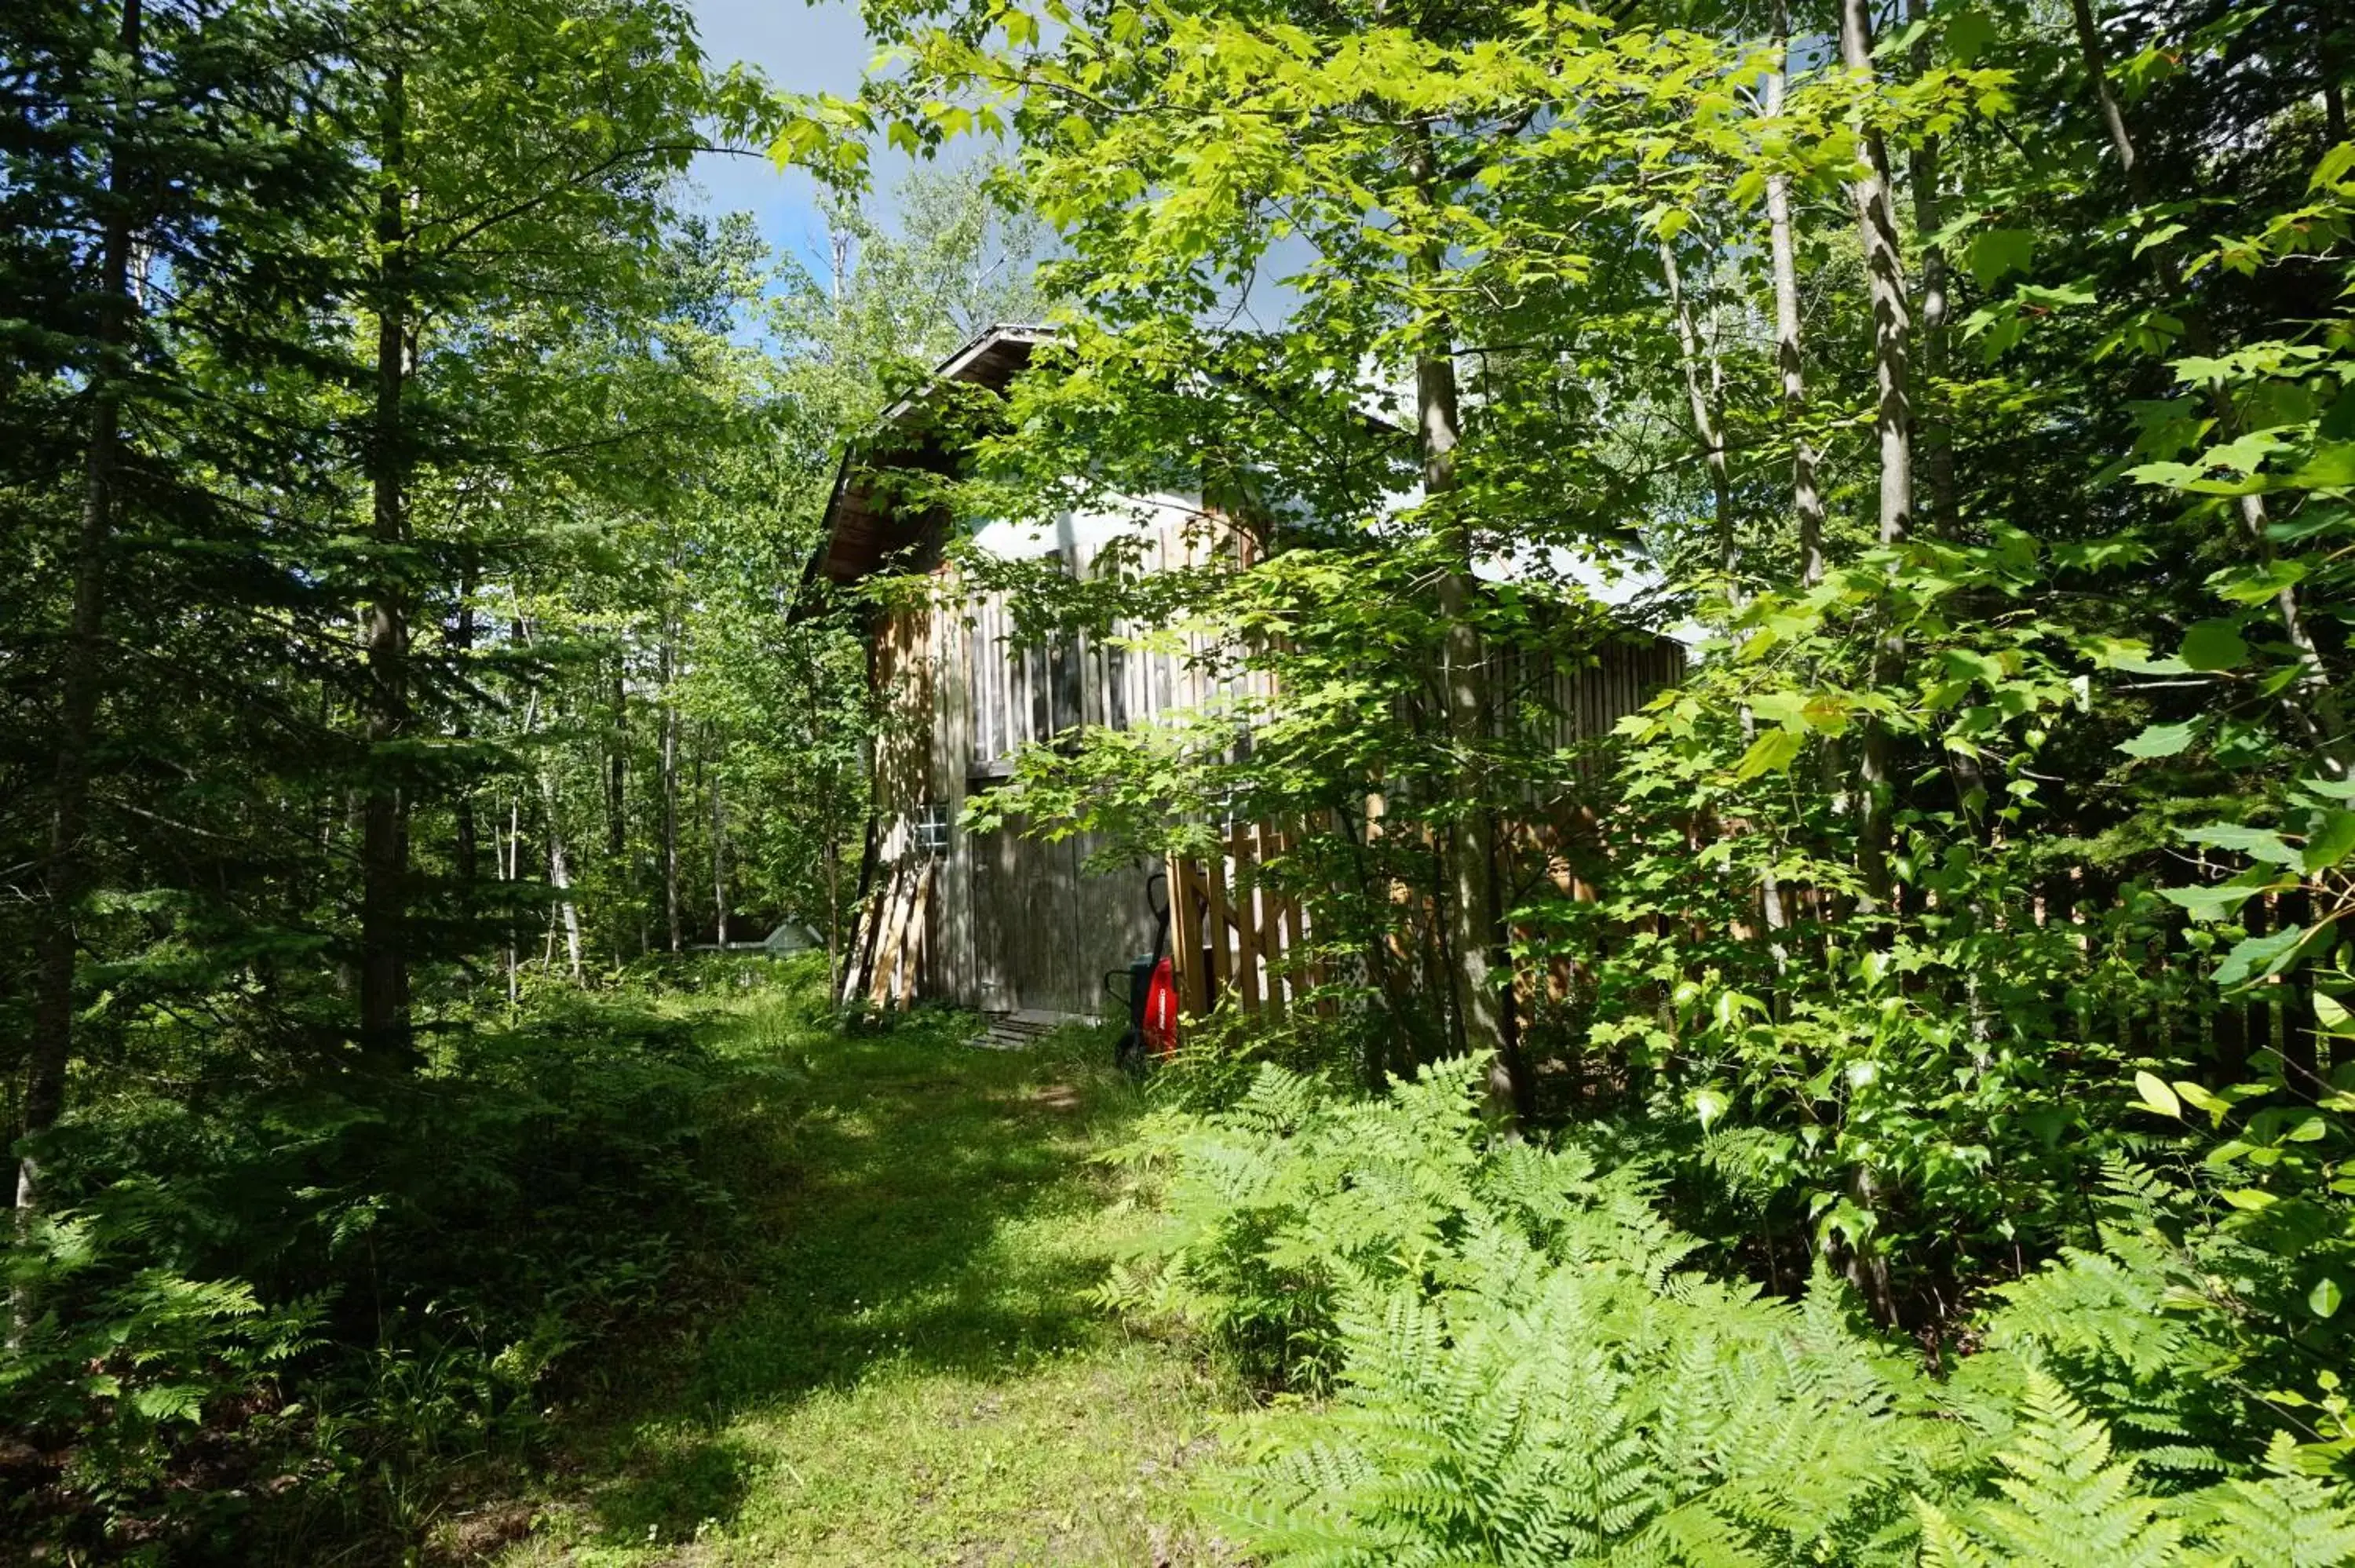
(1007,923)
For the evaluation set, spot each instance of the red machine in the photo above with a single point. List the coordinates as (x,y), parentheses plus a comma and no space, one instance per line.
(1158,1023)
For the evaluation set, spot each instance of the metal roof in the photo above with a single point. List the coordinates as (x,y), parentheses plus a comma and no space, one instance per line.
(860,530)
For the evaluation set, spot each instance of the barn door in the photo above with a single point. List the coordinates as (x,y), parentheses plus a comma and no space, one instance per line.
(1025,916)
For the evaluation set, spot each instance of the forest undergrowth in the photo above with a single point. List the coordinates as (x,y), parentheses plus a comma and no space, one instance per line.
(694,1273)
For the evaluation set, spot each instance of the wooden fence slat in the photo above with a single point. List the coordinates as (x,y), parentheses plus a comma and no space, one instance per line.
(1214,885)
(1186,936)
(1266,843)
(1288,932)
(1295,933)
(1243,909)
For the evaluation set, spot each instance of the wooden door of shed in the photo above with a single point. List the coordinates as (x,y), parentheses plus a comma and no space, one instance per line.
(1025,918)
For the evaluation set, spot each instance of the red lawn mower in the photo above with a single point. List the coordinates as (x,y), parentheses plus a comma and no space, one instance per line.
(1149,987)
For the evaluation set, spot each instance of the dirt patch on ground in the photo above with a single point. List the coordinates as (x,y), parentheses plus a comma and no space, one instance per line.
(474,1535)
(1054,1097)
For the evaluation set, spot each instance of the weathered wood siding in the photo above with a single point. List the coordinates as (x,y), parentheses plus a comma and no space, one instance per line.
(1234,936)
(1007,921)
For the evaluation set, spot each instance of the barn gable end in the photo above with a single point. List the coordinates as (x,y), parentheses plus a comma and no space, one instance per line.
(1005,922)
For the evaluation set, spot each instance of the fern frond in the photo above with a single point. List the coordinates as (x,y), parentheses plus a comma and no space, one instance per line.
(2065,1497)
(2285,1519)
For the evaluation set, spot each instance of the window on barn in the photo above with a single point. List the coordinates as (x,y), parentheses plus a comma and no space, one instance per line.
(929,825)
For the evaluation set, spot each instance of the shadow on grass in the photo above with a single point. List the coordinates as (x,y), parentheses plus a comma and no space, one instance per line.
(921,1232)
(686,1483)
(924,1223)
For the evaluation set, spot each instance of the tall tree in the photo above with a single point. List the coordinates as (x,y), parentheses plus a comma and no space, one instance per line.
(1892,331)
(610,100)
(153,153)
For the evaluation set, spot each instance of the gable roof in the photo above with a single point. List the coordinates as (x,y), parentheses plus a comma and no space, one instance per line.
(860,530)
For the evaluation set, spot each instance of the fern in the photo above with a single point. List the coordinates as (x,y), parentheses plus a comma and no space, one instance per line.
(1597,1419)
(2280,1519)
(2065,1498)
(2131,1331)
(1525,1369)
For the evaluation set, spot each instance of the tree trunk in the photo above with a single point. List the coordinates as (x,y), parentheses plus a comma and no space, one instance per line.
(1807,499)
(1894,425)
(2314,706)
(560,875)
(617,772)
(511,870)
(1476,965)
(384,1031)
(468,848)
(671,910)
(1705,399)
(1806,495)
(1938,426)
(1700,400)
(718,860)
(66,874)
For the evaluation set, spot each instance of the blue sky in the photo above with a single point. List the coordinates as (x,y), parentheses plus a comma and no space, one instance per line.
(804,47)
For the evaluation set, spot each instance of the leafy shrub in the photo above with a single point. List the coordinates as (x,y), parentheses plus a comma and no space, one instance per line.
(1525,1371)
(328,1291)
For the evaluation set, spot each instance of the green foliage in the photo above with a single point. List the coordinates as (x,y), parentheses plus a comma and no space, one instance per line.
(1527,1370)
(1292,1200)
(327,1295)
(2060,1497)
(144,1364)
(1579,1414)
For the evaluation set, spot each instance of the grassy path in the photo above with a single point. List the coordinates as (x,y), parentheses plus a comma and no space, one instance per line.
(913,1373)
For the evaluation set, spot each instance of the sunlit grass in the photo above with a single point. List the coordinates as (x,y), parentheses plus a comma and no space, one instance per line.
(912,1373)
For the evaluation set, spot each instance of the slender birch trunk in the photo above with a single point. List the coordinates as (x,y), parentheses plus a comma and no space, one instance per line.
(1704,397)
(718,860)
(1477,963)
(1806,498)
(1701,402)
(671,907)
(559,875)
(617,769)
(1937,434)
(467,847)
(1806,495)
(1893,327)
(511,870)
(384,1024)
(66,872)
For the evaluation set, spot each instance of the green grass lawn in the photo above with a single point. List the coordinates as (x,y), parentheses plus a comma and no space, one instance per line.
(911,1371)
